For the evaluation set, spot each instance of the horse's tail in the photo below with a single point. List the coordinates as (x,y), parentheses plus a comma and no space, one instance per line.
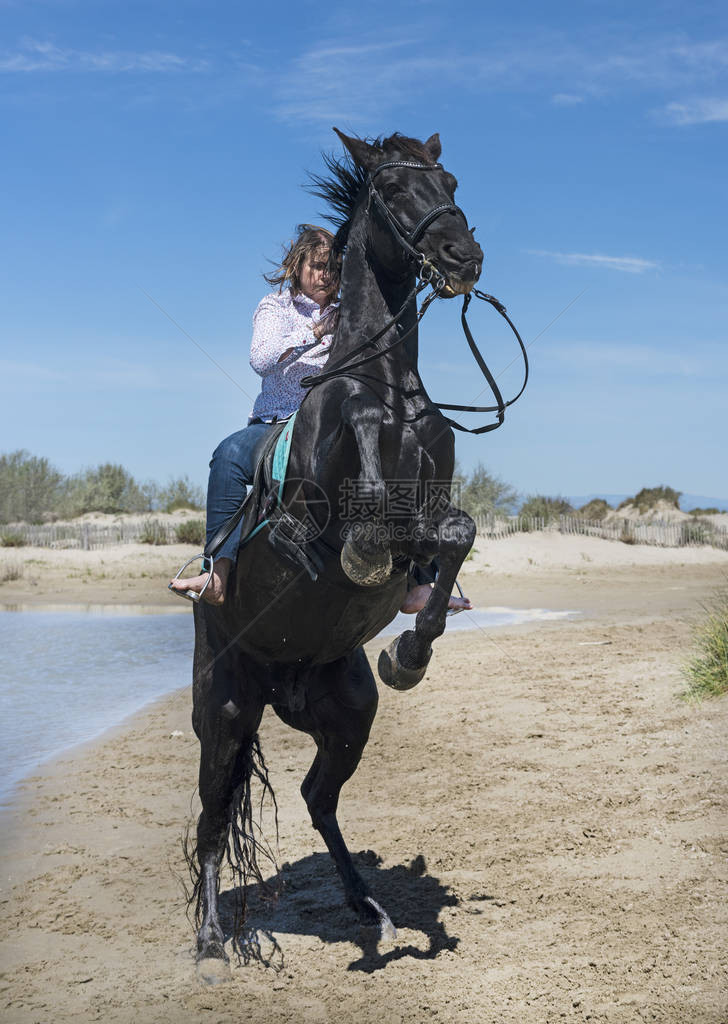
(246,847)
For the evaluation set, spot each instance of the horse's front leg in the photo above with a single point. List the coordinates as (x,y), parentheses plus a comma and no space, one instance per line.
(404,662)
(366,557)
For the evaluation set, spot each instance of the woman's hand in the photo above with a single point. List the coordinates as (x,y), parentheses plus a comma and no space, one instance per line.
(327,325)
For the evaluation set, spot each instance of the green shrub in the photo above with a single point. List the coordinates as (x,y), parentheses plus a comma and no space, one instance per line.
(8,539)
(647,498)
(482,493)
(30,487)
(597,508)
(707,671)
(33,491)
(153,532)
(191,532)
(180,493)
(105,488)
(704,511)
(538,506)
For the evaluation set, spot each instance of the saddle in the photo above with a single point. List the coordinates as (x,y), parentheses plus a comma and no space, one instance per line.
(262,505)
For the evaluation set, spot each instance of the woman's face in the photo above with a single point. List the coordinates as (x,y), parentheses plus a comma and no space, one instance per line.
(315,278)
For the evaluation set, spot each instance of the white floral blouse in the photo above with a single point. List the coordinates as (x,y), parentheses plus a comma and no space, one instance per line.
(283,321)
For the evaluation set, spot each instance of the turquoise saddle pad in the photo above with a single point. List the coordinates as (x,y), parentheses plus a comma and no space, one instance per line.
(282,452)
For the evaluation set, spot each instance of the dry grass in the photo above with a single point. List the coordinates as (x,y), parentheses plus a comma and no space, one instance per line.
(707,670)
(10,571)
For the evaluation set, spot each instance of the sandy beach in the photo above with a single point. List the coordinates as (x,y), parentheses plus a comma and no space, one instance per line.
(543,818)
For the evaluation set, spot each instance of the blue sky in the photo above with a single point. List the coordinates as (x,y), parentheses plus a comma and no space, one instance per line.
(159,148)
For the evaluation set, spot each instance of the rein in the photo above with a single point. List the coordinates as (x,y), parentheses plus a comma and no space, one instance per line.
(427,275)
(500,408)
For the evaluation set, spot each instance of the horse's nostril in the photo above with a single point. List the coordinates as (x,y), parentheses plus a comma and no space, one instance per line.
(461,254)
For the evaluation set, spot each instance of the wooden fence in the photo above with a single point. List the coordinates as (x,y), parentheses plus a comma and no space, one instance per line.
(686,533)
(88,536)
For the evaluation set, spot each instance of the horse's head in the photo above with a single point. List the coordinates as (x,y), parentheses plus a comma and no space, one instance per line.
(412,209)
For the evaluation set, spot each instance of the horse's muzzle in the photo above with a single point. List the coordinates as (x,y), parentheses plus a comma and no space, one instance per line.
(462,279)
(455,285)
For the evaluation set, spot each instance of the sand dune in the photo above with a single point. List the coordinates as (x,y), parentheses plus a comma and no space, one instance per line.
(138,573)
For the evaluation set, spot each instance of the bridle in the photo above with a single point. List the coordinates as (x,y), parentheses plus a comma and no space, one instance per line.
(427,275)
(426,270)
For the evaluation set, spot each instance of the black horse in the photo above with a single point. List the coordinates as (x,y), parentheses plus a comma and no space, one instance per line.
(367,494)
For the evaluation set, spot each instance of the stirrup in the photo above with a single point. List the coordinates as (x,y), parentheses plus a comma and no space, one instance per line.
(208,564)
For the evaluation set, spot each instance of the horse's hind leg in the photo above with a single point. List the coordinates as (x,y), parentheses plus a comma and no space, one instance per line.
(226,729)
(342,722)
(404,663)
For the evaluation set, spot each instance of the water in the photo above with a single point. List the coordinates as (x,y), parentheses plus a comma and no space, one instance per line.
(69,675)
(483,618)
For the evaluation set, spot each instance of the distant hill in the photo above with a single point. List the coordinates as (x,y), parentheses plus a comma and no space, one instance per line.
(687,501)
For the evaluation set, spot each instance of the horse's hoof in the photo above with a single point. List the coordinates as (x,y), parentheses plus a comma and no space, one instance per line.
(213,964)
(387,931)
(394,674)
(365,572)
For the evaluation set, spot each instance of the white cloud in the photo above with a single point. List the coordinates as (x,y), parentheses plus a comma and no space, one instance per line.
(627,264)
(39,55)
(354,79)
(345,84)
(663,62)
(364,81)
(697,111)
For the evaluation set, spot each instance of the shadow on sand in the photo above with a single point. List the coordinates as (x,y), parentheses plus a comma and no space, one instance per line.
(311,903)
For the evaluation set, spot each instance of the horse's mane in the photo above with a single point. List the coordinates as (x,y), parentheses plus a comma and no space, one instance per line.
(343,185)
(340,189)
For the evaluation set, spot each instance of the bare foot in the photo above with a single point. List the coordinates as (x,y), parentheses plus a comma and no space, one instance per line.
(416,599)
(215,593)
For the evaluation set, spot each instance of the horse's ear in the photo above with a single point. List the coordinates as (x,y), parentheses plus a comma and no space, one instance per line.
(433,147)
(362,153)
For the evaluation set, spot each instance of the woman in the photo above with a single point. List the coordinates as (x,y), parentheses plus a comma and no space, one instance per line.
(292,333)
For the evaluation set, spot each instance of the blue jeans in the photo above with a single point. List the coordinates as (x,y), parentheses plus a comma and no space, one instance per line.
(231,469)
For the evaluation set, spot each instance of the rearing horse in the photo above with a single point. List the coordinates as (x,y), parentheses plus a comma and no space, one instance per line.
(367,441)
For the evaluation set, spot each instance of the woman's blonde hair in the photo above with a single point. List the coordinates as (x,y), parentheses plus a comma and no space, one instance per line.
(310,238)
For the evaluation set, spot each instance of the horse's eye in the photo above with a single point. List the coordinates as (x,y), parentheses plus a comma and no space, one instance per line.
(393,190)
